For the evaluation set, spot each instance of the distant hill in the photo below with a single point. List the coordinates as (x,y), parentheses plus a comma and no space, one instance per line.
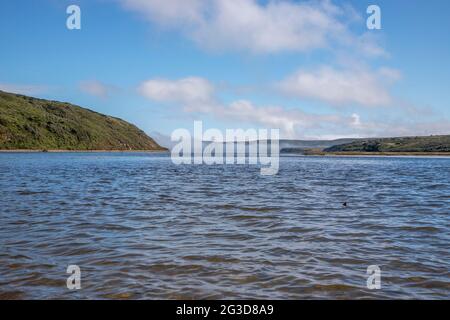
(37,124)
(405,144)
(302,146)
(286,146)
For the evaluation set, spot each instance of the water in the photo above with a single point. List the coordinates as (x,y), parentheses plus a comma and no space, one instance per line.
(140,227)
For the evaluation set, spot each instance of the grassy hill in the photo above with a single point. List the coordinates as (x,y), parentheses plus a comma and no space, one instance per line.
(37,124)
(432,144)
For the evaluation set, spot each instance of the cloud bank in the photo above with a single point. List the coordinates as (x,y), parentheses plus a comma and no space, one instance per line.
(349,81)
(197,96)
(249,25)
(342,86)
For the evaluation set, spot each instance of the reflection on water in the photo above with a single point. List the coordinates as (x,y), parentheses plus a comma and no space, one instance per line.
(140,227)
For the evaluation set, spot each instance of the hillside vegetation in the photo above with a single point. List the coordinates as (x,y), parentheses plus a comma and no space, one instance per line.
(37,124)
(406,144)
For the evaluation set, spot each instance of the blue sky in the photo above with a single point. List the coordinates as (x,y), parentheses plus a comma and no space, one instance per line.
(310,68)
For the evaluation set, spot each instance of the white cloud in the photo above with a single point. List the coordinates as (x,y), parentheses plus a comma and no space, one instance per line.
(342,86)
(169,12)
(368,44)
(397,127)
(389,75)
(277,26)
(95,88)
(249,25)
(188,90)
(23,89)
(356,120)
(292,122)
(197,96)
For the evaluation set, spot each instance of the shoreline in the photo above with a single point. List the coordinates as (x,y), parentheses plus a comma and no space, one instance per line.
(380,154)
(78,151)
(314,154)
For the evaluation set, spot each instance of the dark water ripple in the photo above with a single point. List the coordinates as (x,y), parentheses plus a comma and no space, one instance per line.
(140,227)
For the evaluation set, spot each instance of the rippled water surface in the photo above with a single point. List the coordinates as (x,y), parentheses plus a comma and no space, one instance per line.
(140,227)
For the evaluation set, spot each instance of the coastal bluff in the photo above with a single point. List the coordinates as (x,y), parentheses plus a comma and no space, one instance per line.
(28,123)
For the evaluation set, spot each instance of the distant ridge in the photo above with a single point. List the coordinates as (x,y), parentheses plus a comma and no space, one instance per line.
(430,144)
(302,146)
(28,123)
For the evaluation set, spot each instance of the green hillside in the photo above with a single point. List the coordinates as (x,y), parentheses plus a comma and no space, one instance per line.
(37,124)
(406,144)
